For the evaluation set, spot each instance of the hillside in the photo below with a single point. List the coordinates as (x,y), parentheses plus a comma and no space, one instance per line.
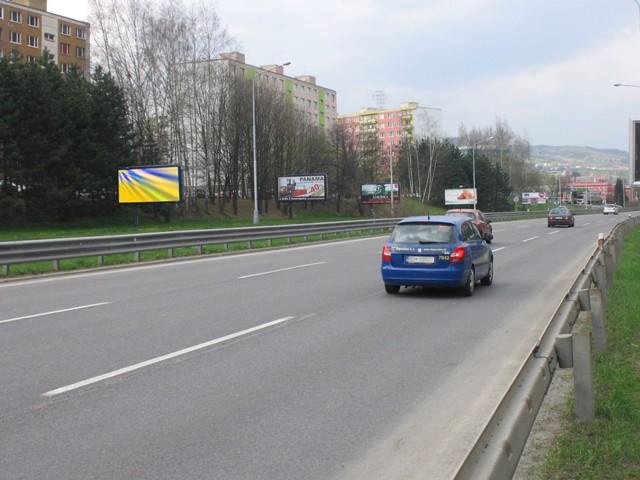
(574,157)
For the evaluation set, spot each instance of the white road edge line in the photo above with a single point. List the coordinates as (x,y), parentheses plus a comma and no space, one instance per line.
(529,239)
(498,231)
(498,249)
(553,233)
(168,356)
(281,270)
(26,317)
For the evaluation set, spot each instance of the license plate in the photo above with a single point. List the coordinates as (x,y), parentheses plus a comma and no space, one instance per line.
(558,218)
(420,260)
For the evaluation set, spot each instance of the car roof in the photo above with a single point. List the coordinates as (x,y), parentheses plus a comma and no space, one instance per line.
(470,210)
(435,219)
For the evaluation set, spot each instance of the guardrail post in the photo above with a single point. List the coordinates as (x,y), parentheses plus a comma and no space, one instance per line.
(199,249)
(56,265)
(270,243)
(5,270)
(226,247)
(170,253)
(564,350)
(305,238)
(249,244)
(136,256)
(100,260)
(609,262)
(597,319)
(584,299)
(583,377)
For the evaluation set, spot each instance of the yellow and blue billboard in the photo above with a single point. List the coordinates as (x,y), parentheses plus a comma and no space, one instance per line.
(159,184)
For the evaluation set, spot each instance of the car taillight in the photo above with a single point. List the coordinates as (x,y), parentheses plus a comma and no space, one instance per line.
(386,254)
(457,255)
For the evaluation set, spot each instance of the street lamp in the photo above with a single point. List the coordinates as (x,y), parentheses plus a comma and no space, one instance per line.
(256,214)
(473,161)
(626,85)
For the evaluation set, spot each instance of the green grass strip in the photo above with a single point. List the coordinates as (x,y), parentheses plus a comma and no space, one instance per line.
(609,448)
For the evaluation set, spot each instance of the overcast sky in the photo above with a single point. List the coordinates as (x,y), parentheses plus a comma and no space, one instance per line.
(546,66)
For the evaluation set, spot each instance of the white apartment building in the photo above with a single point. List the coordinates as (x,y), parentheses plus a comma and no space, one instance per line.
(319,105)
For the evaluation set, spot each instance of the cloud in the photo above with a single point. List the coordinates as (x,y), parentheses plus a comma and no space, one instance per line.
(565,102)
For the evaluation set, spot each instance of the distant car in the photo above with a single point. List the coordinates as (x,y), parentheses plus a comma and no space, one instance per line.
(443,251)
(478,218)
(560,216)
(610,208)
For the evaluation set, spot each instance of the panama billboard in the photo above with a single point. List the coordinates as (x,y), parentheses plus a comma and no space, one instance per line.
(302,188)
(157,184)
(376,193)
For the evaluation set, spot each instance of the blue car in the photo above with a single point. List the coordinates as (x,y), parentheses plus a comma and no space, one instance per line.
(436,251)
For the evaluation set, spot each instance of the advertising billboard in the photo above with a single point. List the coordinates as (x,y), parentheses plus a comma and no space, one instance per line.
(302,188)
(159,184)
(533,198)
(634,151)
(460,196)
(374,193)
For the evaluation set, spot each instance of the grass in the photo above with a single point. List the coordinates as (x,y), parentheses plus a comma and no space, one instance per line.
(124,225)
(609,448)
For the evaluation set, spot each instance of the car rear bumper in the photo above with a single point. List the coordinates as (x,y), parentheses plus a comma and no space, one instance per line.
(555,223)
(454,276)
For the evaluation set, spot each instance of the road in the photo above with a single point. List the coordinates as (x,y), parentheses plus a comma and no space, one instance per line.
(288,364)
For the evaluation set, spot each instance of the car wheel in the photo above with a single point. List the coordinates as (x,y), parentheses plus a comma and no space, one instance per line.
(488,280)
(391,289)
(470,285)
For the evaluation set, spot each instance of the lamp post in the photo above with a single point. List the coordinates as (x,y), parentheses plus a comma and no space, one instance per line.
(391,179)
(256,214)
(473,161)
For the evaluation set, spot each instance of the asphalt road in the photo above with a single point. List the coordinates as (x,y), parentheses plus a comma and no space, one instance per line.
(289,364)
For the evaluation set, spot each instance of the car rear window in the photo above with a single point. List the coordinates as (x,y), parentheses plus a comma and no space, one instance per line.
(423,233)
(559,211)
(462,214)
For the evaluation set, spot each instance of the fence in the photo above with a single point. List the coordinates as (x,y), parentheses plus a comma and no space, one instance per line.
(498,448)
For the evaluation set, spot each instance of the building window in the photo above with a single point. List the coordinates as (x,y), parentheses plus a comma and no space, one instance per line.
(65,29)
(0,34)
(32,41)
(1,13)
(33,21)
(31,59)
(15,37)
(65,49)
(81,33)
(49,37)
(80,52)
(16,17)
(65,67)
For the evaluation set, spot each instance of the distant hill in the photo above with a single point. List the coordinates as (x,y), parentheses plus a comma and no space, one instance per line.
(572,157)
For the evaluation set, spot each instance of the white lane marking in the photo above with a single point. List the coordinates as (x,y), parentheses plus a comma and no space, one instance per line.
(26,317)
(553,233)
(281,270)
(587,224)
(498,231)
(168,356)
(498,249)
(179,263)
(529,239)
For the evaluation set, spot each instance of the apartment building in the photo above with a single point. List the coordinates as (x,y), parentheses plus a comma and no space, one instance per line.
(28,28)
(318,105)
(393,126)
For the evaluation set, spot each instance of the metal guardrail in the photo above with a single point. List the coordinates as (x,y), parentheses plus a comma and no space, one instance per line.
(497,450)
(54,250)
(12,253)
